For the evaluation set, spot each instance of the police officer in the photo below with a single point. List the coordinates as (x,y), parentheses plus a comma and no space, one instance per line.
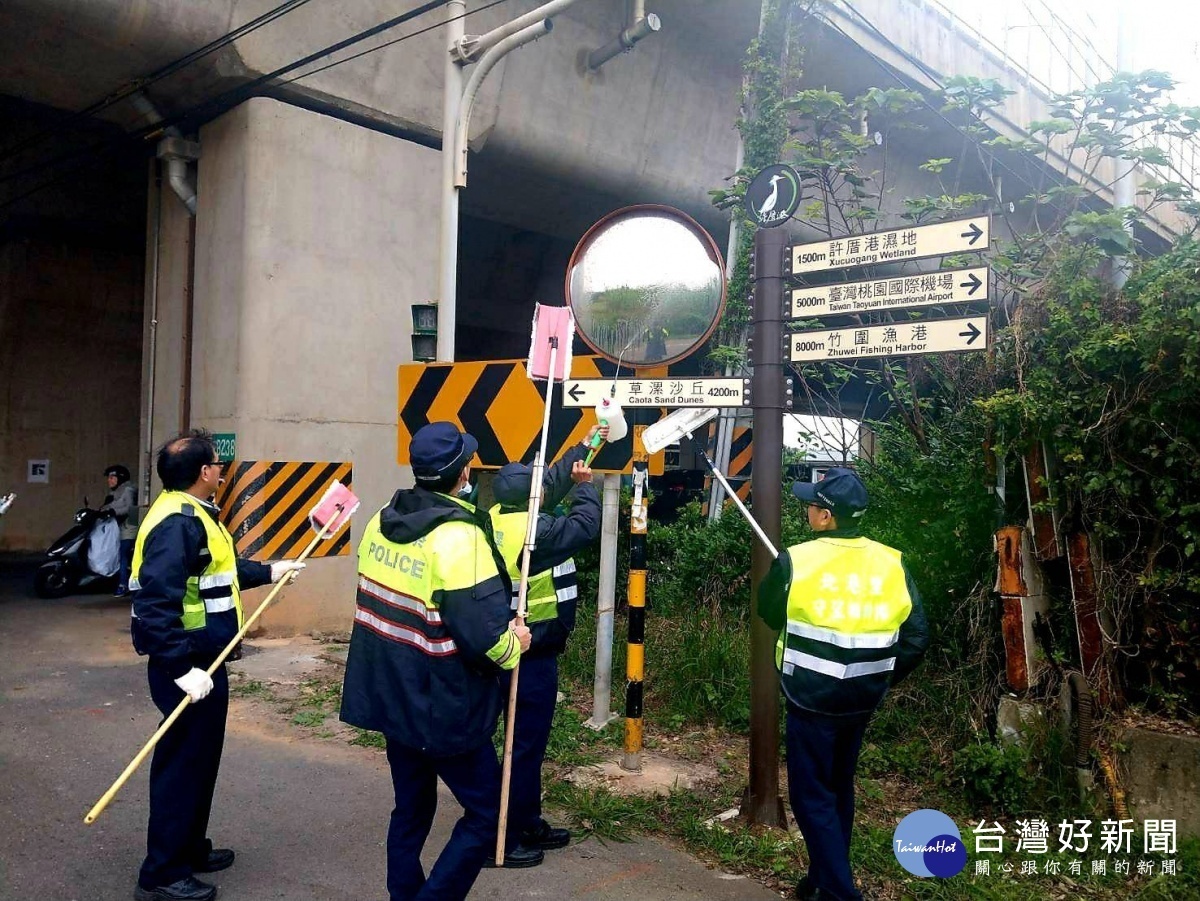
(550,601)
(851,626)
(187,606)
(431,635)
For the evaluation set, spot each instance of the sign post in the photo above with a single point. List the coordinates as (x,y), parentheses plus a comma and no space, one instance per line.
(762,803)
(647,287)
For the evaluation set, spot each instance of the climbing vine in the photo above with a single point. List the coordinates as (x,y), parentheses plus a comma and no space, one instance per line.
(771,69)
(1106,379)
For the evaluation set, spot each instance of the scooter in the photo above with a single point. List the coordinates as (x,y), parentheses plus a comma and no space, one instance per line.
(66,567)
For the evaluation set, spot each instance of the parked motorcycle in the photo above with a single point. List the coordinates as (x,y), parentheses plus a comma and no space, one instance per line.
(66,568)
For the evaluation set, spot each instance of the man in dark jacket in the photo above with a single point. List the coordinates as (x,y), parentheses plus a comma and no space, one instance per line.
(187,606)
(431,634)
(851,626)
(551,599)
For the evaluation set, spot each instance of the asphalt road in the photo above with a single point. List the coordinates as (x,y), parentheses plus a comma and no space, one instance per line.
(307,816)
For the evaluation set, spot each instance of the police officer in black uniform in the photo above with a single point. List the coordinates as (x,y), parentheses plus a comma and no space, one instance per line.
(431,635)
(851,625)
(186,585)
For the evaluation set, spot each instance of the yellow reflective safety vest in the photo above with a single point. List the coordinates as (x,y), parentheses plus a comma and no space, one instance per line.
(847,600)
(547,590)
(430,630)
(510,531)
(215,589)
(398,585)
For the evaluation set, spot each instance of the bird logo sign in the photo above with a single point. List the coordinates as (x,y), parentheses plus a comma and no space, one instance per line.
(773,196)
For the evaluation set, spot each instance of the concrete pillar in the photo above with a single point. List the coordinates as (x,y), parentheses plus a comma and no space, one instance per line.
(313,238)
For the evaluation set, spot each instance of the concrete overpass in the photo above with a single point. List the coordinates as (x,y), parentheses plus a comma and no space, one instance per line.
(280,310)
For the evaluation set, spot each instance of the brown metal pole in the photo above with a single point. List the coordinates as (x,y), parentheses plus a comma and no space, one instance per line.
(762,803)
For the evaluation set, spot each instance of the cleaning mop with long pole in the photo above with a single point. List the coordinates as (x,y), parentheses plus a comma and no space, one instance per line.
(332,511)
(549,359)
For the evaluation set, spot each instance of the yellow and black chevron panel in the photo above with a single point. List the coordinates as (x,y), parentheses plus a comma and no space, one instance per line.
(497,403)
(741,451)
(265,506)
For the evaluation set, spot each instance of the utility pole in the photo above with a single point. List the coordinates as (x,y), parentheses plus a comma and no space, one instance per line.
(762,803)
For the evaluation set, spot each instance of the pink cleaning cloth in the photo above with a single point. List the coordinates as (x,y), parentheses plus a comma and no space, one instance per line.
(550,323)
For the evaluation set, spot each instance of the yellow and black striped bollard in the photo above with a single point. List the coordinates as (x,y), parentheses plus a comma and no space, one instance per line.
(635,658)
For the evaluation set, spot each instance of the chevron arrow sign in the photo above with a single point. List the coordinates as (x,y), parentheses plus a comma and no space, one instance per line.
(496,402)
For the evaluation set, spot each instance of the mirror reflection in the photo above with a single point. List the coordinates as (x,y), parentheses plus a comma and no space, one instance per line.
(647,287)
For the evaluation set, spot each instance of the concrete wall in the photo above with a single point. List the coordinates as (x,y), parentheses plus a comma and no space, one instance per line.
(313,237)
(1161,776)
(69,362)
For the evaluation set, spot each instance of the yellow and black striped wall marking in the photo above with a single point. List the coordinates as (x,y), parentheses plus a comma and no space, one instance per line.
(265,506)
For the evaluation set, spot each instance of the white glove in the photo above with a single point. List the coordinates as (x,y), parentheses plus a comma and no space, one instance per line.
(283,567)
(196,683)
(6,502)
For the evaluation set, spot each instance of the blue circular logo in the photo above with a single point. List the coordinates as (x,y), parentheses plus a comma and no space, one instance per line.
(927,843)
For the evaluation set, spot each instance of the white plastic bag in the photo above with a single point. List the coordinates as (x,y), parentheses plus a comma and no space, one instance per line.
(104,550)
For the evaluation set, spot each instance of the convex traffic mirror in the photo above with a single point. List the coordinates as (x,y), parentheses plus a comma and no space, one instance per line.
(647,286)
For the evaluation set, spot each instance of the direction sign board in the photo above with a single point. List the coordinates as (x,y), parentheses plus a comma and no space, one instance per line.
(501,407)
(922,336)
(895,245)
(899,292)
(679,391)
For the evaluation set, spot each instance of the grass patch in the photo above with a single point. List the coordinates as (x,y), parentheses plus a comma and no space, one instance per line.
(325,694)
(365,738)
(249,688)
(309,718)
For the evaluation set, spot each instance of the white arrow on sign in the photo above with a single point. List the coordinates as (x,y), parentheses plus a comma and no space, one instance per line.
(892,246)
(898,292)
(896,339)
(659,392)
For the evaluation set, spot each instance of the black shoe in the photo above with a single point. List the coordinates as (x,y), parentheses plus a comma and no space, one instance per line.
(189,889)
(218,859)
(545,837)
(805,890)
(517,858)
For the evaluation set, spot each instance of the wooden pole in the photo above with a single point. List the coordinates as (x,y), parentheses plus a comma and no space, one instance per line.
(534,507)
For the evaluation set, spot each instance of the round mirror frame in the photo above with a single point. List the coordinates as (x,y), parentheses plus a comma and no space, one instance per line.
(701,233)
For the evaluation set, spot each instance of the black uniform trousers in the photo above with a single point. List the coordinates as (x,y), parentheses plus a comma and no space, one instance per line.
(183,776)
(822,755)
(537,693)
(474,780)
